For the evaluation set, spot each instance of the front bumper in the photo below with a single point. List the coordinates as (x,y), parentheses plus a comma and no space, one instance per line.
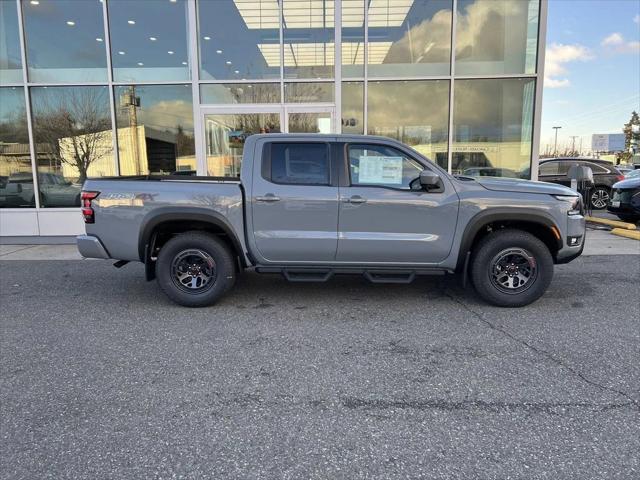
(91,247)
(576,227)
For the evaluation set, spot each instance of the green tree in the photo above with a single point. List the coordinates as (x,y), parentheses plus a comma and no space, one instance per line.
(631,137)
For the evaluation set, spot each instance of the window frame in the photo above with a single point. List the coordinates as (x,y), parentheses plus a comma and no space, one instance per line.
(266,167)
(347,164)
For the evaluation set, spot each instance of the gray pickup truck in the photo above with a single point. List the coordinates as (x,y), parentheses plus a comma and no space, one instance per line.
(312,206)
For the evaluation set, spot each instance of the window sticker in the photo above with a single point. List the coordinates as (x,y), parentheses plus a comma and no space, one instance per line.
(376,169)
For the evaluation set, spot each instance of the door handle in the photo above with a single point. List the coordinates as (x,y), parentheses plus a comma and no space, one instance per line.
(355,199)
(269,197)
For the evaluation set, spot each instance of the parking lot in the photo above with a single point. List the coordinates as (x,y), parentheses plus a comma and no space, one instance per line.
(102,377)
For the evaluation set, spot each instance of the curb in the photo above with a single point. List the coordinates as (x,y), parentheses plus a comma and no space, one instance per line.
(635,235)
(611,223)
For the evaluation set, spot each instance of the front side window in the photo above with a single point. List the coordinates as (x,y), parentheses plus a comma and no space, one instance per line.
(379,165)
(300,163)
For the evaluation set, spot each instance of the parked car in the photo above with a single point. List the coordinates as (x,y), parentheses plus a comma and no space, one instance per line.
(625,199)
(604,176)
(311,206)
(632,173)
(55,191)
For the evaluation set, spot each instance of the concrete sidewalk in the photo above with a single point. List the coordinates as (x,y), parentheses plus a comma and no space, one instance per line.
(599,242)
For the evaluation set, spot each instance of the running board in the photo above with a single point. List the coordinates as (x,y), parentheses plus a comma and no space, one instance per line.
(319,274)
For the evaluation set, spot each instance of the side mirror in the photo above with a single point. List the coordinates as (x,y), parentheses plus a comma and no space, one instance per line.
(429,179)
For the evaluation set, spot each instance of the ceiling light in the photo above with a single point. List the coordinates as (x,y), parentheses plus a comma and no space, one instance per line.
(218,51)
(70,23)
(184,63)
(120,52)
(228,62)
(170,52)
(236,71)
(141,64)
(173,1)
(153,39)
(98,39)
(34,2)
(131,22)
(249,86)
(207,38)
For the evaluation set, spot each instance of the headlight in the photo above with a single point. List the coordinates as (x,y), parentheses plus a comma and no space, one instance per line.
(573,203)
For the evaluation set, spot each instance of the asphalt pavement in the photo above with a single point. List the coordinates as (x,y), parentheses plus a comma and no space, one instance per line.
(102,377)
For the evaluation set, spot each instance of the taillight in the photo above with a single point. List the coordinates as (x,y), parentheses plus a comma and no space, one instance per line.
(87,209)
(620,177)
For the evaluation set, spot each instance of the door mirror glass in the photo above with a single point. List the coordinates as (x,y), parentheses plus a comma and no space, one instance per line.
(429,179)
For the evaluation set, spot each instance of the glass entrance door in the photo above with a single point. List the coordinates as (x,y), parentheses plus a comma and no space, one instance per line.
(226,130)
(225,134)
(306,119)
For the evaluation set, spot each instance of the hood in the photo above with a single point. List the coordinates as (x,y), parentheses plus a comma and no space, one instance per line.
(523,186)
(633,182)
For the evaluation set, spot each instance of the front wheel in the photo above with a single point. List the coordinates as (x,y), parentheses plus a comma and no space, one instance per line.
(511,268)
(195,269)
(599,198)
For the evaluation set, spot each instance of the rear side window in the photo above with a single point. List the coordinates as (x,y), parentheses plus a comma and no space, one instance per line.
(300,163)
(549,168)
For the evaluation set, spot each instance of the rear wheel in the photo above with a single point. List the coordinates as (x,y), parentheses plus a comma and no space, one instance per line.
(511,268)
(195,269)
(599,198)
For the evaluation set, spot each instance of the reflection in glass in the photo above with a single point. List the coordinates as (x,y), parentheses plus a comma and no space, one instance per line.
(148,40)
(155,129)
(310,122)
(72,132)
(353,107)
(211,94)
(239,39)
(10,60)
(65,41)
(352,38)
(493,124)
(496,37)
(308,92)
(409,37)
(308,31)
(16,179)
(225,136)
(395,111)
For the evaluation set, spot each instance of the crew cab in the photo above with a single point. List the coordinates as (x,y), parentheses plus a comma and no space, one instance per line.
(311,206)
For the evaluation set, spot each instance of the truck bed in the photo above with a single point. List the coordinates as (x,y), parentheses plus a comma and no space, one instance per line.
(126,206)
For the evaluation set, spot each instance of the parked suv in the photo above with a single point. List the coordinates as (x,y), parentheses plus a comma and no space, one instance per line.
(555,170)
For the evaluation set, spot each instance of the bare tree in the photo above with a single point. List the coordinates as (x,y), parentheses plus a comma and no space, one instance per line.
(75,126)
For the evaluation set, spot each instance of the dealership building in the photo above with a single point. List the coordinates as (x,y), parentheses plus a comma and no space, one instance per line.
(133,87)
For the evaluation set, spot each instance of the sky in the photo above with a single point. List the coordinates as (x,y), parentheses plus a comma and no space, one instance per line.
(592,69)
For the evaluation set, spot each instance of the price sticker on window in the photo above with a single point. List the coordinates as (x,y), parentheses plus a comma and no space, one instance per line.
(381,170)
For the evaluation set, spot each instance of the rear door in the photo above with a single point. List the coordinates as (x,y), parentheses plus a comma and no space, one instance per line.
(385,216)
(294,202)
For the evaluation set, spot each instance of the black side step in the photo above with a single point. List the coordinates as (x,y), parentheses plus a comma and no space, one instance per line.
(387,276)
(307,275)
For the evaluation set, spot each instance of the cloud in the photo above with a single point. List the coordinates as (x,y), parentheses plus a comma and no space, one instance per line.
(558,55)
(613,39)
(616,43)
(636,19)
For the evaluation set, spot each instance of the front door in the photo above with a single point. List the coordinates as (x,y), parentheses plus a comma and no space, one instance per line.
(294,202)
(385,217)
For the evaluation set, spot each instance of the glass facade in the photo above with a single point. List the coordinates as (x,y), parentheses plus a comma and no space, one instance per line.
(128,87)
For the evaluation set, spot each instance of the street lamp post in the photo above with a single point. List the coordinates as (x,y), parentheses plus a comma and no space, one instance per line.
(555,147)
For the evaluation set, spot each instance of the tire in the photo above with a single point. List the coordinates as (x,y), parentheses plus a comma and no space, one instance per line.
(516,251)
(600,197)
(629,218)
(186,262)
